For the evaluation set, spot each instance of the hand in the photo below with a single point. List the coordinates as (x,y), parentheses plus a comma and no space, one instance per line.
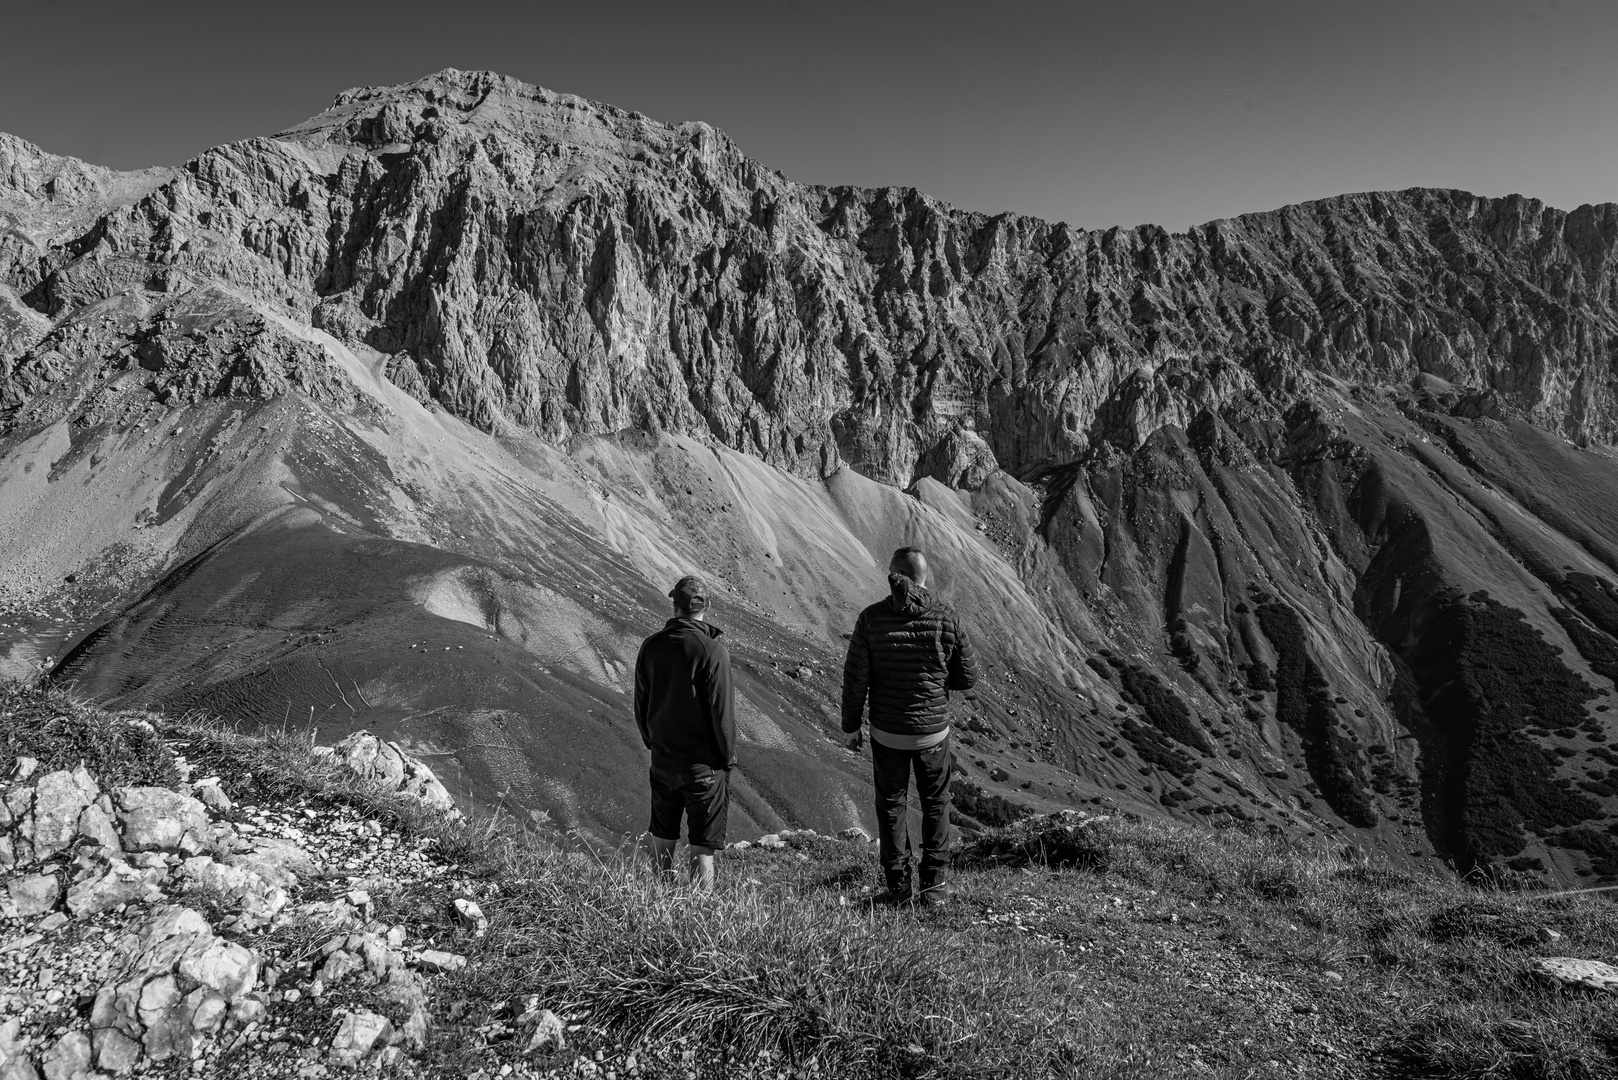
(855,740)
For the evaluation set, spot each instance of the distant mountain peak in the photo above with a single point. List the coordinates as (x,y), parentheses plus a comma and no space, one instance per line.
(485,102)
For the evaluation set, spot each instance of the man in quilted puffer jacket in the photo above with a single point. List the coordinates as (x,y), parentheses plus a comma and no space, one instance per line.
(906,654)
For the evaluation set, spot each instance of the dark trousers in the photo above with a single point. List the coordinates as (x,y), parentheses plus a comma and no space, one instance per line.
(892,768)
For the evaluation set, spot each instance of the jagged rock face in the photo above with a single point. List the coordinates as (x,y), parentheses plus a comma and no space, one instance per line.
(1258,512)
(533,260)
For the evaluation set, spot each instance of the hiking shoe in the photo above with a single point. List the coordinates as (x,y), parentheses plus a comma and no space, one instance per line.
(935,891)
(897,894)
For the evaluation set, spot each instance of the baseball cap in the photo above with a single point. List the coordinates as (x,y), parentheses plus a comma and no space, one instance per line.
(691,593)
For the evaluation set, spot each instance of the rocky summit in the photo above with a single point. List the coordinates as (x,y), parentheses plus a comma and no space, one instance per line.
(405,418)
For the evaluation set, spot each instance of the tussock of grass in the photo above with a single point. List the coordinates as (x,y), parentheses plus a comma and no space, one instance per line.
(739,969)
(119,749)
(1453,1043)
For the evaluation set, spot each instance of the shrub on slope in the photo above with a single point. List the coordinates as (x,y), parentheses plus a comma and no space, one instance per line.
(1595,598)
(1303,702)
(1164,708)
(1506,677)
(1597,647)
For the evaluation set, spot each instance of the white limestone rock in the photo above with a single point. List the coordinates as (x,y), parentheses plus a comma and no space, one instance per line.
(96,823)
(69,1058)
(1570,972)
(115,883)
(157,819)
(59,798)
(388,764)
(358,1035)
(32,895)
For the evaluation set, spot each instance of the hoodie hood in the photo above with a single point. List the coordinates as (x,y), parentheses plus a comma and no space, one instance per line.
(680,622)
(904,595)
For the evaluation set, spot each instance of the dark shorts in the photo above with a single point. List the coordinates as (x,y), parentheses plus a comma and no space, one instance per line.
(699,792)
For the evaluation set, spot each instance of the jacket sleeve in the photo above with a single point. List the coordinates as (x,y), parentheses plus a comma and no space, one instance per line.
(720,702)
(856,677)
(642,690)
(963,666)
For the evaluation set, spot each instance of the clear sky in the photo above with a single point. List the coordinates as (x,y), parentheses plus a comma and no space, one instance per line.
(1095,114)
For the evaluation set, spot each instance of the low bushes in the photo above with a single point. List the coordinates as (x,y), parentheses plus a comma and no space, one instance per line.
(1164,709)
(1156,749)
(985,807)
(1599,650)
(1506,677)
(1304,703)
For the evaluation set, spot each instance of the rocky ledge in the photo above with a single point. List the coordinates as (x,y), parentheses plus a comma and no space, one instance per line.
(169,927)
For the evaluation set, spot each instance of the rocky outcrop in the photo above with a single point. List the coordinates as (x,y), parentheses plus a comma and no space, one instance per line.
(386,763)
(157,819)
(177,985)
(171,983)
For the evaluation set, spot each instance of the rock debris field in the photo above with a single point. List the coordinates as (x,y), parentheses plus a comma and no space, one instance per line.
(175,931)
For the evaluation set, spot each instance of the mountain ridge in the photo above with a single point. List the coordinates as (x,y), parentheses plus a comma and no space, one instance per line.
(1087,389)
(1222,503)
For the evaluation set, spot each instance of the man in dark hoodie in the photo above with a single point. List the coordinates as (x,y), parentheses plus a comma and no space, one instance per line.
(683,708)
(906,654)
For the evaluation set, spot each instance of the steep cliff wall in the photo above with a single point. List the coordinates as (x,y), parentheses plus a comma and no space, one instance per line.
(534,260)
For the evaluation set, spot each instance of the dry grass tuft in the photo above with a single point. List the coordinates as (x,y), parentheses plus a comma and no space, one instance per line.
(739,969)
(1453,1043)
(45,723)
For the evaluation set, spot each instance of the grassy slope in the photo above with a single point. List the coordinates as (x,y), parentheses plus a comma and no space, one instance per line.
(1163,951)
(1116,948)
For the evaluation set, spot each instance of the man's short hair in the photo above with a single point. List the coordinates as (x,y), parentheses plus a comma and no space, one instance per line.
(910,562)
(690,593)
